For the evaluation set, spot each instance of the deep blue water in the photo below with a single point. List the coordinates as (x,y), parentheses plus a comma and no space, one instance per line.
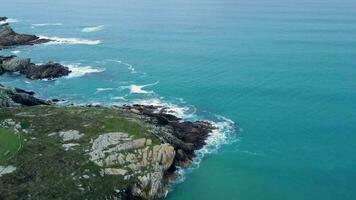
(282,70)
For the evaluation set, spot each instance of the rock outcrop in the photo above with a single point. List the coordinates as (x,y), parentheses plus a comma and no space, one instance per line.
(138,160)
(10,97)
(9,38)
(13,64)
(184,136)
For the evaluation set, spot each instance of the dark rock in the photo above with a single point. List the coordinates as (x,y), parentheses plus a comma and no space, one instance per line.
(13,97)
(51,70)
(184,136)
(9,38)
(3,18)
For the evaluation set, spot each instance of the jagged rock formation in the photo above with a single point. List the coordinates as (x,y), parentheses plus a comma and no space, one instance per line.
(9,38)
(10,97)
(51,70)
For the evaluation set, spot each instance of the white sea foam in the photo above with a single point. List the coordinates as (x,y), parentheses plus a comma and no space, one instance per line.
(130,67)
(184,112)
(92,29)
(70,41)
(138,89)
(47,24)
(223,134)
(118,98)
(9,20)
(15,52)
(78,71)
(103,89)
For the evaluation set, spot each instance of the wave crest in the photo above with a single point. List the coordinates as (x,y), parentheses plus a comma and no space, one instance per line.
(78,71)
(47,24)
(92,29)
(70,41)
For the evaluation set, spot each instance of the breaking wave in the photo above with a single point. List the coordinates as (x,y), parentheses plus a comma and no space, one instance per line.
(9,20)
(139,89)
(92,29)
(70,41)
(78,71)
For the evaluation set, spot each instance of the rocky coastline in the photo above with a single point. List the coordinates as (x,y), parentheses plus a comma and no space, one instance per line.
(141,163)
(10,38)
(129,152)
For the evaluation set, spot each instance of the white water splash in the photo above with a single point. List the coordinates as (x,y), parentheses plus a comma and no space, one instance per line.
(92,29)
(70,41)
(138,89)
(184,112)
(78,71)
(9,20)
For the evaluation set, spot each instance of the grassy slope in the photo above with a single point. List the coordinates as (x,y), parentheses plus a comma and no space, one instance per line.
(10,144)
(45,170)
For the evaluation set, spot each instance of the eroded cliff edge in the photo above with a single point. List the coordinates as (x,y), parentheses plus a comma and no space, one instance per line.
(90,152)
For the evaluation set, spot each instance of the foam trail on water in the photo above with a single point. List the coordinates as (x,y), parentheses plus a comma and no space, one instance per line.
(92,29)
(118,98)
(103,89)
(70,41)
(138,89)
(47,24)
(78,71)
(130,67)
(15,52)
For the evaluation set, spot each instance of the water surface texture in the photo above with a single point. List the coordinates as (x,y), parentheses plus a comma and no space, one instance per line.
(282,70)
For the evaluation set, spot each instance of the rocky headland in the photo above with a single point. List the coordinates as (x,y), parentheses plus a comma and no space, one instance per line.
(10,38)
(91,152)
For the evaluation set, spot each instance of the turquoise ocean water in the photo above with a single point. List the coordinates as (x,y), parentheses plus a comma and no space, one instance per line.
(282,70)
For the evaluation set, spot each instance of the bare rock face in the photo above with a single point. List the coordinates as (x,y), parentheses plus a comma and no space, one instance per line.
(138,159)
(51,70)
(9,38)
(14,97)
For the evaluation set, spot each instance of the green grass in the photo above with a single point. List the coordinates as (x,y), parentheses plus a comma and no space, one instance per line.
(10,144)
(44,169)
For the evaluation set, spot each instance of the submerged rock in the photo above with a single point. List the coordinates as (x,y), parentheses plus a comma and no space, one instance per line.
(13,64)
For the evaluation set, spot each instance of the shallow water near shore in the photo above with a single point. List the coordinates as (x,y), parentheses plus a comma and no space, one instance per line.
(282,71)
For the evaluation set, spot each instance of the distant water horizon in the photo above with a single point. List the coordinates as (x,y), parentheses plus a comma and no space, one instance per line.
(277,78)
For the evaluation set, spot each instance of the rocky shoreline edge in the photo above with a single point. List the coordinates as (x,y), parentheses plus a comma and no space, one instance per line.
(147,169)
(96,152)
(12,64)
